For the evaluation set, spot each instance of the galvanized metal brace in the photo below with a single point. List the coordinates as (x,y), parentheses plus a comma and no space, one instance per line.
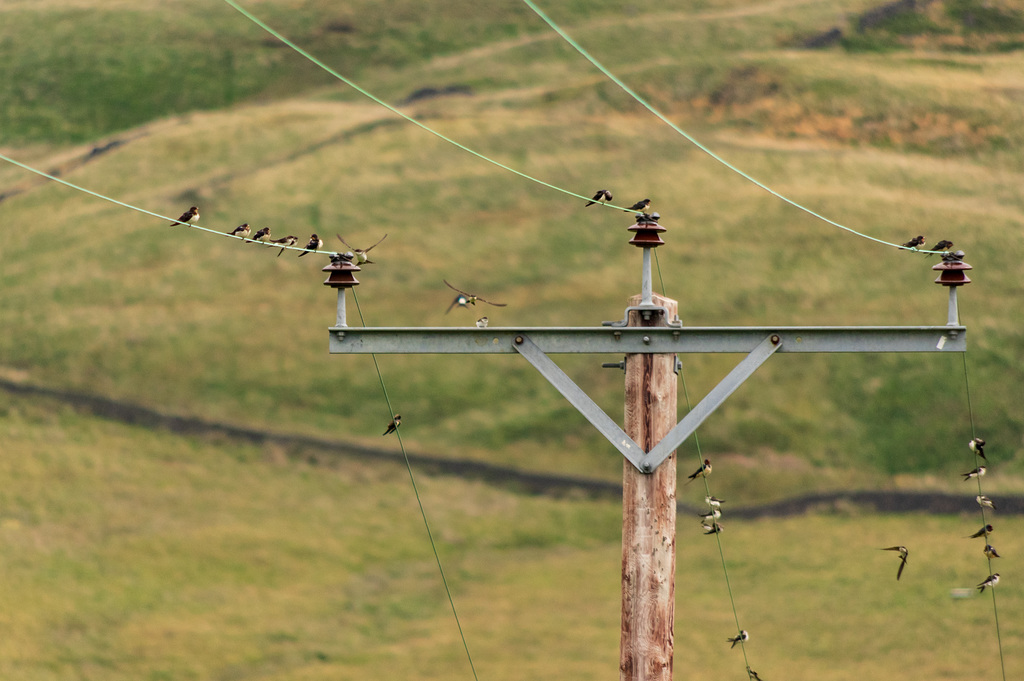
(535,344)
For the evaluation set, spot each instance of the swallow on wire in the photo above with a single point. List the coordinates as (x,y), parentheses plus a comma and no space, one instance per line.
(360,253)
(393,426)
(990,551)
(639,207)
(714,502)
(601,195)
(914,243)
(189,217)
(242,231)
(481,323)
(976,473)
(977,446)
(903,558)
(315,244)
(992,580)
(713,528)
(942,246)
(284,241)
(702,472)
(983,532)
(742,636)
(985,502)
(715,513)
(753,675)
(464,299)
(262,235)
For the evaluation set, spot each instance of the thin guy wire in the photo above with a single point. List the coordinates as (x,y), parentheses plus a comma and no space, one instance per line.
(579,48)
(136,208)
(408,118)
(718,535)
(984,521)
(419,501)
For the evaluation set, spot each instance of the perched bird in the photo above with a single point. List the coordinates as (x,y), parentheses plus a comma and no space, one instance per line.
(976,473)
(284,241)
(985,502)
(753,675)
(315,243)
(481,323)
(714,502)
(601,195)
(241,231)
(903,558)
(393,426)
(742,636)
(640,206)
(702,472)
(191,216)
(713,528)
(464,299)
(360,253)
(942,246)
(262,234)
(990,551)
(992,580)
(713,513)
(983,532)
(914,243)
(977,446)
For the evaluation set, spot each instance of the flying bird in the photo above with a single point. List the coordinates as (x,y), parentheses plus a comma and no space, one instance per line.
(601,195)
(640,206)
(464,299)
(903,558)
(315,243)
(742,636)
(977,446)
(976,473)
(241,231)
(262,234)
(702,472)
(990,552)
(985,502)
(992,580)
(481,323)
(284,241)
(942,246)
(191,216)
(393,426)
(914,243)
(360,253)
(983,532)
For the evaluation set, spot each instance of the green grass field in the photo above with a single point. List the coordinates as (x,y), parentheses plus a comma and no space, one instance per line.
(132,554)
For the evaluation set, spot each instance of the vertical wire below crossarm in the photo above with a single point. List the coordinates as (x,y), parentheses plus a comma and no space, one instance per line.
(419,501)
(984,520)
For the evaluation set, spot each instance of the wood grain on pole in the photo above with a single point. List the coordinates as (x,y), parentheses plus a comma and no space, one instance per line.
(649,515)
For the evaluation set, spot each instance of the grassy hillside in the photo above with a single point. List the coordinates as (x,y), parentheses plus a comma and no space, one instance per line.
(102,299)
(129,555)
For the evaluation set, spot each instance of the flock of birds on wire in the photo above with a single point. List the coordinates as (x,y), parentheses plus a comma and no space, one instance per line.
(709,520)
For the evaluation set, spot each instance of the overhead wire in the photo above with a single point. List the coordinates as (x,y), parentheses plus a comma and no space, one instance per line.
(690,138)
(419,500)
(123,204)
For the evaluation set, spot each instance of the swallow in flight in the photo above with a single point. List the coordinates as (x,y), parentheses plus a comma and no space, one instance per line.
(360,253)
(903,558)
(464,299)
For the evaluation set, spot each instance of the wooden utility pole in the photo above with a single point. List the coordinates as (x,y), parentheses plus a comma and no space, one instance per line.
(649,513)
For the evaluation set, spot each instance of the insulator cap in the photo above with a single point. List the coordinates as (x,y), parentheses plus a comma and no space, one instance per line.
(952,269)
(340,271)
(647,231)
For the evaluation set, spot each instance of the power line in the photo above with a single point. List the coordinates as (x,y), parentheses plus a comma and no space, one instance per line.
(90,192)
(615,79)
